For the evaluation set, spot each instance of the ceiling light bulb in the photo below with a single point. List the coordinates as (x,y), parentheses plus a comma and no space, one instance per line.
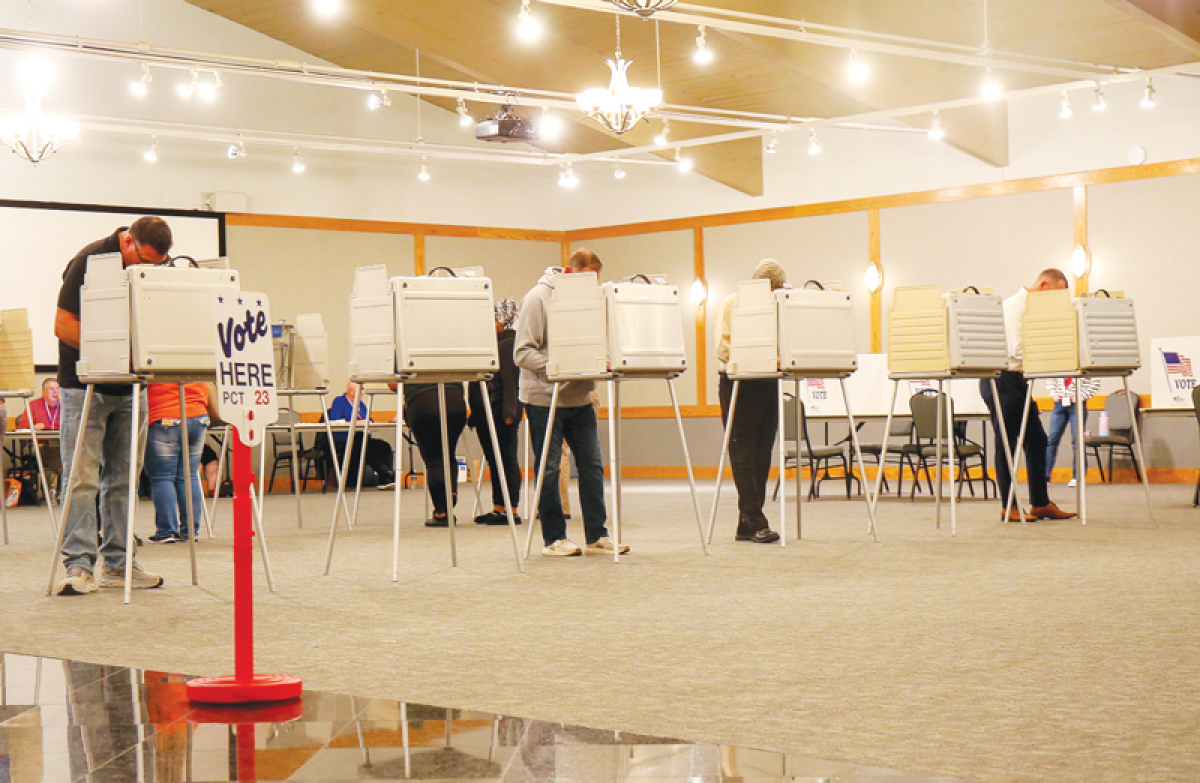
(1065,112)
(663,137)
(813,146)
(528,27)
(618,172)
(990,89)
(685,164)
(464,117)
(36,75)
(236,151)
(138,88)
(771,143)
(703,54)
(936,131)
(206,91)
(1148,98)
(550,126)
(186,90)
(375,101)
(857,70)
(327,7)
(151,155)
(1099,104)
(567,178)
(297,162)
(423,175)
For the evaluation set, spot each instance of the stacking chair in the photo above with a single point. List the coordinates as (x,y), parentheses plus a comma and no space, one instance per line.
(281,442)
(901,429)
(924,407)
(1120,434)
(819,459)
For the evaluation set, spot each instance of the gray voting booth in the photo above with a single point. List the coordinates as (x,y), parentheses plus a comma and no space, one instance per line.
(1088,336)
(616,332)
(944,337)
(790,335)
(431,329)
(144,324)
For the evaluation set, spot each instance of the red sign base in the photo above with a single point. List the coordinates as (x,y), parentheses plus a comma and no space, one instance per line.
(232,690)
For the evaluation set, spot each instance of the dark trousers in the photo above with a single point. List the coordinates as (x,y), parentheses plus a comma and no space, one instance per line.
(380,459)
(752,435)
(1012,388)
(578,427)
(423,419)
(506,437)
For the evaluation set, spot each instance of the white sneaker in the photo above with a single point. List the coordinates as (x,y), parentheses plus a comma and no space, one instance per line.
(1071,483)
(115,577)
(78,582)
(562,548)
(604,546)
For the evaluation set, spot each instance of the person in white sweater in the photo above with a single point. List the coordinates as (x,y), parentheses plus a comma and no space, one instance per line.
(1062,391)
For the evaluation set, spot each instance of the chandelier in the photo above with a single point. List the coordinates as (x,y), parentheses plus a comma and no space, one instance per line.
(34,136)
(643,8)
(619,107)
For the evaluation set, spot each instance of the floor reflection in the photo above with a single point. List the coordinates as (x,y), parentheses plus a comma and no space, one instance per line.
(67,721)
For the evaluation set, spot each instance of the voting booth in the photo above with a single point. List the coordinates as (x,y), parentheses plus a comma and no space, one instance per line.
(437,328)
(790,335)
(1093,335)
(620,331)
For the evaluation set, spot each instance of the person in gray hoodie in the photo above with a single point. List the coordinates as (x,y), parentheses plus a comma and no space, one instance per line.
(574,420)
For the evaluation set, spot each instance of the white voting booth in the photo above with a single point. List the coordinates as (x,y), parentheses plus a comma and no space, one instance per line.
(432,329)
(790,335)
(1089,336)
(944,337)
(144,324)
(17,381)
(616,332)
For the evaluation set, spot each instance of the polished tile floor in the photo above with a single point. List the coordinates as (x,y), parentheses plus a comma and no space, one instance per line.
(65,721)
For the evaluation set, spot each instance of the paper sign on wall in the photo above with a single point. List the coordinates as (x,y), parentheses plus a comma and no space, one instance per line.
(245,363)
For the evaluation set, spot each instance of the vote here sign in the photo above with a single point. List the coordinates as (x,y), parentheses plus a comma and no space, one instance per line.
(245,363)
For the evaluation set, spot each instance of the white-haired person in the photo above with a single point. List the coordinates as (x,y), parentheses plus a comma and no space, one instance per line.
(752,432)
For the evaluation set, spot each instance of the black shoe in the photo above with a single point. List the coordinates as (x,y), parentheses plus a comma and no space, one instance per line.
(488,518)
(765,536)
(745,529)
(501,519)
(439,522)
(162,539)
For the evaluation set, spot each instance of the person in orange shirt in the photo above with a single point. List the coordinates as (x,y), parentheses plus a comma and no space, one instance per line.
(165,460)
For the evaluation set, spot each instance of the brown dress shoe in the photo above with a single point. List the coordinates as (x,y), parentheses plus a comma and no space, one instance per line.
(1051,511)
(1015,516)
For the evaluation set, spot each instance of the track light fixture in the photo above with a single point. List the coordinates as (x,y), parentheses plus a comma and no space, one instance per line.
(813,146)
(703,54)
(423,174)
(664,136)
(1099,104)
(936,131)
(297,162)
(857,70)
(566,176)
(186,90)
(769,148)
(618,172)
(550,127)
(1065,112)
(685,164)
(151,155)
(464,117)
(235,151)
(207,90)
(990,89)
(528,27)
(1148,99)
(377,101)
(138,88)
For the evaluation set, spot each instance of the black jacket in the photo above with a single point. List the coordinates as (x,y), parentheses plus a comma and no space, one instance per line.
(502,388)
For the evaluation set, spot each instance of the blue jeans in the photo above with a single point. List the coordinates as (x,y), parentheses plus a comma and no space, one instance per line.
(578,426)
(103,470)
(1062,418)
(168,473)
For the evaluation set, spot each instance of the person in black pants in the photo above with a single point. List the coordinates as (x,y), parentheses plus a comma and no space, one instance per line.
(506,413)
(423,419)
(753,430)
(1012,388)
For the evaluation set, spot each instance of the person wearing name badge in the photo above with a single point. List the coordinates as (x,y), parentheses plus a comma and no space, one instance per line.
(506,414)
(1062,418)
(380,458)
(168,466)
(102,472)
(754,425)
(1012,388)
(47,415)
(574,422)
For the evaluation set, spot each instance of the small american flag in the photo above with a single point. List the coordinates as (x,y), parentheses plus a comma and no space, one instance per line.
(1177,364)
(816,383)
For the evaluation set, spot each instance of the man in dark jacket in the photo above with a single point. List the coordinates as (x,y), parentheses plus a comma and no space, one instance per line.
(506,412)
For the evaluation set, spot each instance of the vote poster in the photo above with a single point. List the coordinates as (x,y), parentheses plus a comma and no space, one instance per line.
(246,396)
(1172,371)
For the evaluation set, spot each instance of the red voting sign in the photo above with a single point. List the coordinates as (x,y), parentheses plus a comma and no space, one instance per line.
(245,363)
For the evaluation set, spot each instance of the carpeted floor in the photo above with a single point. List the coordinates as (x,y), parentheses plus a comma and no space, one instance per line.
(1051,652)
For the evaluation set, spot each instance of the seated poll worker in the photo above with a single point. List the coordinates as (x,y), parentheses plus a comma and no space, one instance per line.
(169,468)
(102,472)
(506,413)
(47,415)
(574,421)
(1012,387)
(380,459)
(752,433)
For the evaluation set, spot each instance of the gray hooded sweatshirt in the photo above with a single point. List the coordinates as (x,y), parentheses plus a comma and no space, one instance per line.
(529,350)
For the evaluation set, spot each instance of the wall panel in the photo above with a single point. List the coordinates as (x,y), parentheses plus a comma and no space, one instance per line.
(513,265)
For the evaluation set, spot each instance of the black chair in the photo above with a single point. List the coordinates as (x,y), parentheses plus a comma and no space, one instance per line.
(1120,434)
(901,428)
(281,443)
(819,459)
(924,406)
(315,462)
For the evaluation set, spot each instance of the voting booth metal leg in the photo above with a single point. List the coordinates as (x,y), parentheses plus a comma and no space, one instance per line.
(712,517)
(130,541)
(862,468)
(398,486)
(189,516)
(338,503)
(614,423)
(1137,442)
(1080,458)
(687,461)
(262,544)
(4,493)
(512,523)
(799,479)
(362,459)
(37,453)
(72,482)
(952,446)
(541,473)
(1012,489)
(262,474)
(937,469)
(873,499)
(1008,451)
(337,469)
(783,467)
(441,387)
(525,475)
(295,460)
(212,516)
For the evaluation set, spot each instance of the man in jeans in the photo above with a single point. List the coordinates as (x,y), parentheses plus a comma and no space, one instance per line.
(574,420)
(103,467)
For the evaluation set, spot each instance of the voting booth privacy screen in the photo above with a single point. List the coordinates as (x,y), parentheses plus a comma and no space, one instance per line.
(16,351)
(802,331)
(577,328)
(931,333)
(1090,334)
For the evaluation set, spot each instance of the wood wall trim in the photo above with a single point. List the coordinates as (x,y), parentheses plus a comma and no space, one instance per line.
(566,253)
(388,227)
(419,254)
(701,320)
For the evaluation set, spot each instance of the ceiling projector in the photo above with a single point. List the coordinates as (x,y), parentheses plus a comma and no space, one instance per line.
(505,126)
